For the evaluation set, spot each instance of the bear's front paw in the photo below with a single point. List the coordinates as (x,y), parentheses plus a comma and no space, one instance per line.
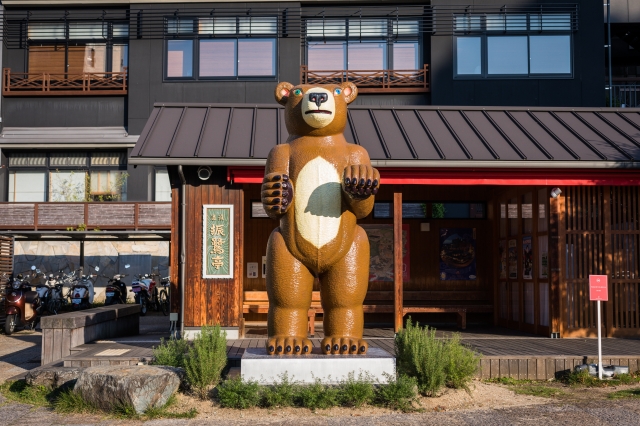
(344,345)
(361,181)
(288,345)
(277,193)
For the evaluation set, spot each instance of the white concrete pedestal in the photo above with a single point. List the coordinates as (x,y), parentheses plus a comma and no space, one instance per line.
(256,365)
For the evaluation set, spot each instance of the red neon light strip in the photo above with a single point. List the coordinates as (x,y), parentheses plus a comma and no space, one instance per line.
(410,176)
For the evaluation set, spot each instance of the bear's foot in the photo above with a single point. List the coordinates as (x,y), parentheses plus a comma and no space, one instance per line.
(288,345)
(344,345)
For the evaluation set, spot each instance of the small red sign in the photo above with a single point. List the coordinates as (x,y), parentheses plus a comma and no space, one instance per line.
(598,289)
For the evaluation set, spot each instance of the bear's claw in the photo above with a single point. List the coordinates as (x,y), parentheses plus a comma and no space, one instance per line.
(344,345)
(288,345)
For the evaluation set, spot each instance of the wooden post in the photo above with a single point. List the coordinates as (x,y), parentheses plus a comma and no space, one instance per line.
(556,259)
(397,259)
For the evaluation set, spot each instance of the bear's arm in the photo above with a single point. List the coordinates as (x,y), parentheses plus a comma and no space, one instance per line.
(277,163)
(359,206)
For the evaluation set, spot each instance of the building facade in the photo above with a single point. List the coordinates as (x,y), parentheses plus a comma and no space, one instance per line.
(100,105)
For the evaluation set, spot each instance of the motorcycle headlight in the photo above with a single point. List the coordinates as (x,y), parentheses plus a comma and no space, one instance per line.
(16,285)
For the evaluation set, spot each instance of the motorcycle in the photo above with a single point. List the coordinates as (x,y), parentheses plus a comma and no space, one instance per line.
(56,296)
(83,292)
(116,291)
(22,305)
(143,288)
(46,292)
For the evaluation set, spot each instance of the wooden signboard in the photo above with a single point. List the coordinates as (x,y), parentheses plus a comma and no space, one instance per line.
(217,237)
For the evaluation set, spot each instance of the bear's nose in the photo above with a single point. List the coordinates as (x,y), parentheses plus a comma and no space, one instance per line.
(318,98)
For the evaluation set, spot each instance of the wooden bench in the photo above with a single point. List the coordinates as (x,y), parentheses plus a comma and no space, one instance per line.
(381,302)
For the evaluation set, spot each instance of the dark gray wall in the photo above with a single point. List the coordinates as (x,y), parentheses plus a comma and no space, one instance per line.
(139,182)
(68,111)
(584,89)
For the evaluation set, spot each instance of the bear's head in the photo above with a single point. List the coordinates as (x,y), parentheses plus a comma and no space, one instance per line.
(316,109)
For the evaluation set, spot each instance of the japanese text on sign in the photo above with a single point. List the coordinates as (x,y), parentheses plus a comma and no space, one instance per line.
(598,288)
(217,241)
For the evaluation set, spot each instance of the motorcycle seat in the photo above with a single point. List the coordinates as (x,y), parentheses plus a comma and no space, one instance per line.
(31,297)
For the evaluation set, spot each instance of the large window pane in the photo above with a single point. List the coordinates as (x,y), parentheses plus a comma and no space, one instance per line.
(469,55)
(163,186)
(406,56)
(507,55)
(27,186)
(46,31)
(87,30)
(47,59)
(327,57)
(550,54)
(91,57)
(109,185)
(256,57)
(67,186)
(120,57)
(218,58)
(367,56)
(180,58)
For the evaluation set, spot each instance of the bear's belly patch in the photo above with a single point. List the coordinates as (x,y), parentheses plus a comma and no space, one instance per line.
(318,202)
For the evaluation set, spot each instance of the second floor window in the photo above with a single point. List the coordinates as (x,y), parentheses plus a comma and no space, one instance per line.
(519,45)
(75,48)
(221,48)
(363,44)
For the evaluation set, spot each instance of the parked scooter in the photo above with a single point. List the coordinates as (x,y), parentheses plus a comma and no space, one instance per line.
(45,293)
(116,291)
(143,287)
(21,304)
(83,292)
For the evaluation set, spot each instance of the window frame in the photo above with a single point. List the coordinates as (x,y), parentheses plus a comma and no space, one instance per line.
(196,37)
(68,41)
(484,34)
(389,39)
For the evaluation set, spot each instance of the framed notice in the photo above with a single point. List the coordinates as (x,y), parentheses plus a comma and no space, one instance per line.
(217,241)
(502,253)
(527,258)
(381,248)
(457,254)
(512,256)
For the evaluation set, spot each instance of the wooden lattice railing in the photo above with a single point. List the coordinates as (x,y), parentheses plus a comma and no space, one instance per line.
(46,84)
(374,81)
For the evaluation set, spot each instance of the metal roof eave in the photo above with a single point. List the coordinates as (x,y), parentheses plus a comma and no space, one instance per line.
(463,164)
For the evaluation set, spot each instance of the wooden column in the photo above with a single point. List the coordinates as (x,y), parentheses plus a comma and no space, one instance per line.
(397,259)
(556,260)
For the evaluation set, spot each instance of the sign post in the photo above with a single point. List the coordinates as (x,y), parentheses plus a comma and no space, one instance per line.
(598,291)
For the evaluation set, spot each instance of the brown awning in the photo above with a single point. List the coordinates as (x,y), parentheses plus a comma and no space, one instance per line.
(411,136)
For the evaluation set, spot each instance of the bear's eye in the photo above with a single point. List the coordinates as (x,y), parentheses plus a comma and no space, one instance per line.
(337,91)
(297,92)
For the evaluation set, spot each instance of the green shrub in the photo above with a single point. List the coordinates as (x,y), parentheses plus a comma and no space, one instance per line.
(206,359)
(280,394)
(461,363)
(317,396)
(170,352)
(20,391)
(234,393)
(399,394)
(434,362)
(356,392)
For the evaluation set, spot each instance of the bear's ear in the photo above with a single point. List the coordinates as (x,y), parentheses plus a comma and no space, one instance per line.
(350,91)
(282,92)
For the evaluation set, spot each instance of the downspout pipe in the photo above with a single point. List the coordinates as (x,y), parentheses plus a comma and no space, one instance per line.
(183,244)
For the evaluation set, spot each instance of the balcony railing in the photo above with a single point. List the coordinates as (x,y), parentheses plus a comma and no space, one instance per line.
(46,84)
(107,215)
(374,81)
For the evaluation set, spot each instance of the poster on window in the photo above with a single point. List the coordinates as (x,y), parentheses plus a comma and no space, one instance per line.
(502,255)
(457,254)
(381,246)
(512,255)
(527,258)
(543,259)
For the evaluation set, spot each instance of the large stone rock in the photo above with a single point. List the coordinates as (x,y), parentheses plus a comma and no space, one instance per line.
(53,377)
(140,386)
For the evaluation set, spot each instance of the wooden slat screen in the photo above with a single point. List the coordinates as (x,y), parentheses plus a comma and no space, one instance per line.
(602,235)
(625,239)
(584,253)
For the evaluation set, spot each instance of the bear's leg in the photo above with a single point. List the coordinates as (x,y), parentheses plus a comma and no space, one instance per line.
(289,286)
(343,289)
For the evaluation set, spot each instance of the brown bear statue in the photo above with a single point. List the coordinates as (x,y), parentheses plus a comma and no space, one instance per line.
(317,185)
